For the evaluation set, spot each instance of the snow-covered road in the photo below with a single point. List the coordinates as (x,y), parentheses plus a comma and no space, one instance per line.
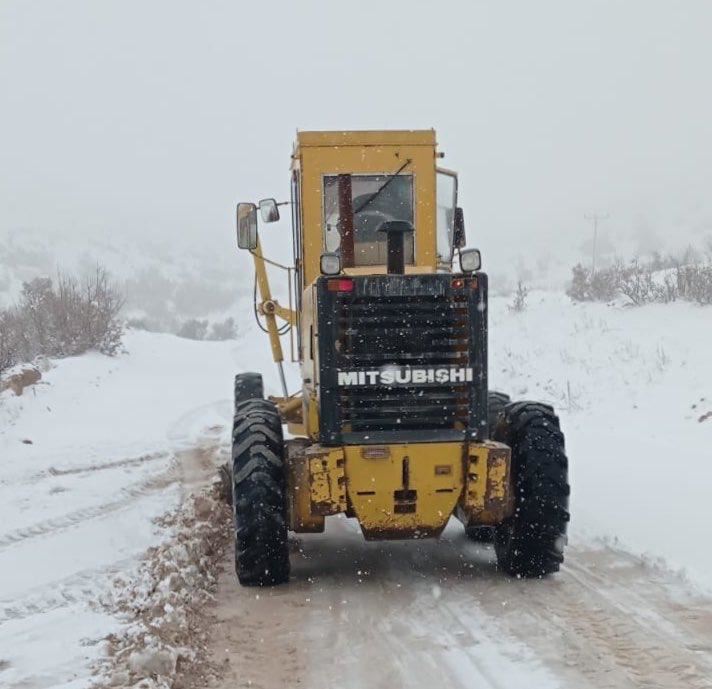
(55,570)
(632,387)
(90,458)
(438,614)
(114,444)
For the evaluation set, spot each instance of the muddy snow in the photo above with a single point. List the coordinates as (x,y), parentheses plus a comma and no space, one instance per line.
(112,574)
(164,607)
(439,614)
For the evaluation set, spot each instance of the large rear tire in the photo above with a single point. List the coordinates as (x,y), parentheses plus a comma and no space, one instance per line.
(259,494)
(531,542)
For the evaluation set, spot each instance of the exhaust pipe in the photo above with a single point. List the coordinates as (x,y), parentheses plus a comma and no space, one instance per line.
(395,231)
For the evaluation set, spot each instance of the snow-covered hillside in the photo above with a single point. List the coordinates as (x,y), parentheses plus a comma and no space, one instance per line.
(163,282)
(101,447)
(633,387)
(89,458)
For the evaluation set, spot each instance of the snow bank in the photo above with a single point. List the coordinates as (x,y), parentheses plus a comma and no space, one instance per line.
(90,457)
(163,608)
(633,387)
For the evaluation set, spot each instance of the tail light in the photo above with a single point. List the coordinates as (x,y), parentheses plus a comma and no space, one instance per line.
(340,285)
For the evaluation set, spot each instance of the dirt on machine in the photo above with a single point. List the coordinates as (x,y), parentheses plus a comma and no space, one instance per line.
(394,424)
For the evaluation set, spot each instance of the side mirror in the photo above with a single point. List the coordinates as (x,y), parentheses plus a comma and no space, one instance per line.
(269,210)
(459,239)
(470,260)
(247,226)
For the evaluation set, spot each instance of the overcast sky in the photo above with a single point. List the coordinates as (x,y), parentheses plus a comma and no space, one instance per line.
(152,118)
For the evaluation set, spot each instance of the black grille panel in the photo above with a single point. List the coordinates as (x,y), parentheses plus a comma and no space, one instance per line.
(423,330)
(401,323)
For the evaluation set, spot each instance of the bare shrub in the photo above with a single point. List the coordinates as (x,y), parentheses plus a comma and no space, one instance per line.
(223,331)
(7,344)
(601,286)
(65,320)
(193,329)
(637,283)
(669,290)
(519,302)
(138,324)
(663,279)
(37,336)
(85,315)
(605,283)
(694,283)
(580,287)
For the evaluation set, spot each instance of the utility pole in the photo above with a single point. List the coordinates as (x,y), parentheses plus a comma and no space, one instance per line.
(595,218)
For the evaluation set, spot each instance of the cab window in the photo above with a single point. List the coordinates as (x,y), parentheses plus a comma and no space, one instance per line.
(446,200)
(355,207)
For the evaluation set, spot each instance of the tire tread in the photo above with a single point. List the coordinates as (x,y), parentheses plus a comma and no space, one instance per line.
(259,494)
(530,543)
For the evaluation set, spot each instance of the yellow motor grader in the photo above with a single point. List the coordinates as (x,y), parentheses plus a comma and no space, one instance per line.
(394,424)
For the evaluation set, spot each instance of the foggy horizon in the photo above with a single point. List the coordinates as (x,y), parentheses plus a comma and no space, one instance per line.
(373,467)
(150,121)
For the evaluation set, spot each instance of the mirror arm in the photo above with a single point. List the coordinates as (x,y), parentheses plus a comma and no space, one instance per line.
(273,306)
(270,317)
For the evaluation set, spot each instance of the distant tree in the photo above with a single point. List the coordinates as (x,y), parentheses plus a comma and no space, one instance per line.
(637,283)
(193,329)
(36,304)
(65,320)
(663,279)
(580,287)
(223,331)
(599,286)
(7,353)
(694,282)
(138,323)
(519,303)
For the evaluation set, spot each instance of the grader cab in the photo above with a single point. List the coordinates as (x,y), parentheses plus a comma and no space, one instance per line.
(393,424)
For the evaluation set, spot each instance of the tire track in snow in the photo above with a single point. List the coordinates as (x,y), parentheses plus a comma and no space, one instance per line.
(440,614)
(613,622)
(128,495)
(655,644)
(77,588)
(394,613)
(119,463)
(80,469)
(188,467)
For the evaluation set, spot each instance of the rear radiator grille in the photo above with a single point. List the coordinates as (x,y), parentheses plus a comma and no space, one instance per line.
(424,330)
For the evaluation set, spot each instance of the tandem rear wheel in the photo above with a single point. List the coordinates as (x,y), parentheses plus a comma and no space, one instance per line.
(531,542)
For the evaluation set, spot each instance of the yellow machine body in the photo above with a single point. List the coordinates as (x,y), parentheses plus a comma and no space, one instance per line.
(369,482)
(317,154)
(395,489)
